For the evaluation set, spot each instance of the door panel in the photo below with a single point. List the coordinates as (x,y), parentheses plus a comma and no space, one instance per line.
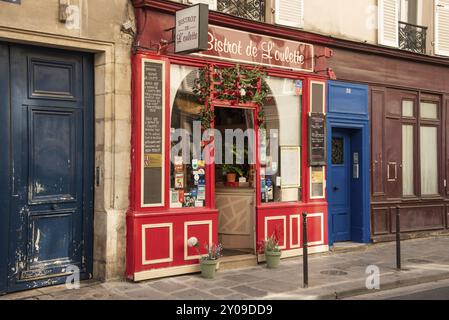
(339,195)
(4,163)
(51,203)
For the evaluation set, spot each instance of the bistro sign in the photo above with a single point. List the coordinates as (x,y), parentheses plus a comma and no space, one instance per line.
(191,29)
(238,46)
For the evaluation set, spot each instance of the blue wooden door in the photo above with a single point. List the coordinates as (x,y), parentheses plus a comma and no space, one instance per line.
(50,166)
(339,192)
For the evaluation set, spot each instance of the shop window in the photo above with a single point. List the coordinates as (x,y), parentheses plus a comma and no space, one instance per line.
(429,160)
(187,165)
(425,128)
(280,142)
(429,110)
(407,160)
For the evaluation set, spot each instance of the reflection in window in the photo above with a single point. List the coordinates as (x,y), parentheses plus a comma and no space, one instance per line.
(188,173)
(283,129)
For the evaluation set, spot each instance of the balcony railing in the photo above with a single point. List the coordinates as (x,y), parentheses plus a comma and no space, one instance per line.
(247,9)
(412,37)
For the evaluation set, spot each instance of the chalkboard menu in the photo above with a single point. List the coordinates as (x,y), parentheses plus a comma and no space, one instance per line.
(317,139)
(153,132)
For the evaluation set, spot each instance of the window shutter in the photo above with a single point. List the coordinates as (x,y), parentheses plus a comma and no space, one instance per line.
(442,27)
(389,23)
(289,13)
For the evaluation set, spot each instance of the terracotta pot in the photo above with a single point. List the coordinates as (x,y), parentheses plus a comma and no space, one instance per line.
(231,177)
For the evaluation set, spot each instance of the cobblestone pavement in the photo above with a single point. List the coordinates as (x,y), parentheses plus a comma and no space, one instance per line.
(332,275)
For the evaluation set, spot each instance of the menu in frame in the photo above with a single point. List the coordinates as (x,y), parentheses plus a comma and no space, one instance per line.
(317,139)
(153,124)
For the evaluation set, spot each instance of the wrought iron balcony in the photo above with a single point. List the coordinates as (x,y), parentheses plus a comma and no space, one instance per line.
(247,9)
(412,37)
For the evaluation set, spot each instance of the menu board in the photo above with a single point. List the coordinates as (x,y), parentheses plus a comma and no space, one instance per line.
(317,139)
(153,132)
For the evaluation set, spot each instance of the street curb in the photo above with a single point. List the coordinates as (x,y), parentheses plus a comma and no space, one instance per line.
(337,295)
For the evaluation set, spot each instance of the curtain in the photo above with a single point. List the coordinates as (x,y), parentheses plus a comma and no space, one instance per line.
(429,161)
(407,161)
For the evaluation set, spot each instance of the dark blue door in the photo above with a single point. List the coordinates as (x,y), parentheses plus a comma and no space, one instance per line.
(339,192)
(50,167)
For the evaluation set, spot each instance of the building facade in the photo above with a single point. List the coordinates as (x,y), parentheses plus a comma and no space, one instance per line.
(65,83)
(93,99)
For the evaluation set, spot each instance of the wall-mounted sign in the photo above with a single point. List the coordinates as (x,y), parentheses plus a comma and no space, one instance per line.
(239,46)
(153,124)
(12,1)
(317,139)
(191,29)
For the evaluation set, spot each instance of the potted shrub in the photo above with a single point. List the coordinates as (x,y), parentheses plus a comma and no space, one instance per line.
(272,252)
(231,172)
(209,261)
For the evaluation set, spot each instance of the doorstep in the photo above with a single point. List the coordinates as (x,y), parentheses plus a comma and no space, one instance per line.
(342,247)
(238,261)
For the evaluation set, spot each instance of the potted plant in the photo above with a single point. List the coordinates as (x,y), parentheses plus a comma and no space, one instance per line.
(208,261)
(272,251)
(231,172)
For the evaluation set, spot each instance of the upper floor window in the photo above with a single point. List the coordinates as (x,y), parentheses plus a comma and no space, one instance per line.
(400,25)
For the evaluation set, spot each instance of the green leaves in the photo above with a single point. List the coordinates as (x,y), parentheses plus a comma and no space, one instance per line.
(234,84)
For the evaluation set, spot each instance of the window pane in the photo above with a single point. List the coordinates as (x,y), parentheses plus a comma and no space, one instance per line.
(407,108)
(187,168)
(407,160)
(429,110)
(317,97)
(429,161)
(283,128)
(317,182)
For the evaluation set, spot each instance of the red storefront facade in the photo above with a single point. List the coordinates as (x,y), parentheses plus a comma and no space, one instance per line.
(160,220)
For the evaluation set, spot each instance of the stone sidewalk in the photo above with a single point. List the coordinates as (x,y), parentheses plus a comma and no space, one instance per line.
(332,275)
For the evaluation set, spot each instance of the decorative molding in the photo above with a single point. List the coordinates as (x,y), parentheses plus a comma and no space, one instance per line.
(321,215)
(284,218)
(186,236)
(156,226)
(296,245)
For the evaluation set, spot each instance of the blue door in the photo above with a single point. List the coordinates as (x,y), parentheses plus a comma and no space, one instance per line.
(50,166)
(339,192)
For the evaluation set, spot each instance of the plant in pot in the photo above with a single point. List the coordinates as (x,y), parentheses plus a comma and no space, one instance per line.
(270,248)
(208,261)
(231,171)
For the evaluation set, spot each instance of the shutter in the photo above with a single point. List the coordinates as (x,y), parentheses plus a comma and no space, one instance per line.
(389,23)
(442,27)
(289,13)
